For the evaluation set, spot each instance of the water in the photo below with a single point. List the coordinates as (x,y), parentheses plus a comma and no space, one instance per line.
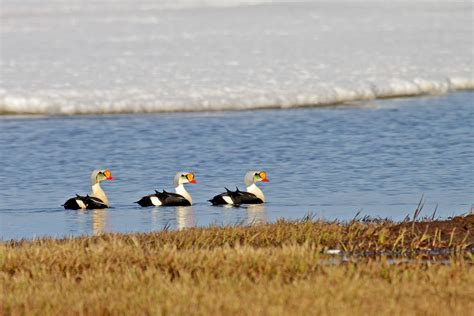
(135,56)
(378,157)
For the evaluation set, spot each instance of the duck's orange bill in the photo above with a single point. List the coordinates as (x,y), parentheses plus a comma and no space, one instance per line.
(191,179)
(108,175)
(263,176)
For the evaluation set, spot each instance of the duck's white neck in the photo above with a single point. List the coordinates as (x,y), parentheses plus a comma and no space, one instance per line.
(99,193)
(255,190)
(182,191)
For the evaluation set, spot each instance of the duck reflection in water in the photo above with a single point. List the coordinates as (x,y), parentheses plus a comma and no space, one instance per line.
(183,217)
(97,218)
(99,221)
(256,214)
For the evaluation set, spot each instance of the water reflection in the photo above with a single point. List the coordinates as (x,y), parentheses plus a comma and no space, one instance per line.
(80,222)
(157,221)
(179,217)
(99,221)
(86,221)
(184,217)
(256,214)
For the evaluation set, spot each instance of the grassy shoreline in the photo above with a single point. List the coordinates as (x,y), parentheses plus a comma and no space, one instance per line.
(280,268)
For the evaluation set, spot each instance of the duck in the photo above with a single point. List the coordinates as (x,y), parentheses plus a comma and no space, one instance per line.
(95,200)
(253,195)
(180,198)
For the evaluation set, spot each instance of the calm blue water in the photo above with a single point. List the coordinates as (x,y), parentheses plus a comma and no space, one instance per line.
(376,157)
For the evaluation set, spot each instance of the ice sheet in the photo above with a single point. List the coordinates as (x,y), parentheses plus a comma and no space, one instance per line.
(74,57)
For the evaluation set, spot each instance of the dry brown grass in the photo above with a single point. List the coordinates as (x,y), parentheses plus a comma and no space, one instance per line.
(277,269)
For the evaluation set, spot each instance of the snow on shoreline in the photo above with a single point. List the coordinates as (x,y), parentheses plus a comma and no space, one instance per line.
(53,103)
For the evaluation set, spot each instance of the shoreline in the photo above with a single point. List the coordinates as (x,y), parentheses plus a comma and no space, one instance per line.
(452,233)
(349,102)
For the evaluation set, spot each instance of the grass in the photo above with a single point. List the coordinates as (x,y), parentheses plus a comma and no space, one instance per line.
(277,269)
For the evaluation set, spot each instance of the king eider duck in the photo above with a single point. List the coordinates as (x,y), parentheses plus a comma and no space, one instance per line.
(180,198)
(253,195)
(95,200)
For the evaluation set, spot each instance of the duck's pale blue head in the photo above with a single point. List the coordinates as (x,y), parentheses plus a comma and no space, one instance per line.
(183,178)
(254,176)
(100,175)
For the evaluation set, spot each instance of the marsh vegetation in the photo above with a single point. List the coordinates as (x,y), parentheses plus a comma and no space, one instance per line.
(380,267)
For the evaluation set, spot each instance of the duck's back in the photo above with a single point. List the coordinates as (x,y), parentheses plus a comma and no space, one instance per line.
(172,199)
(236,198)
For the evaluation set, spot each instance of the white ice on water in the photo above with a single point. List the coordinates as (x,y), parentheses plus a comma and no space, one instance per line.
(109,56)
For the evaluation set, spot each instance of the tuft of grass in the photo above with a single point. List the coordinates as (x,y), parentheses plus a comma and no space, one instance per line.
(281,268)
